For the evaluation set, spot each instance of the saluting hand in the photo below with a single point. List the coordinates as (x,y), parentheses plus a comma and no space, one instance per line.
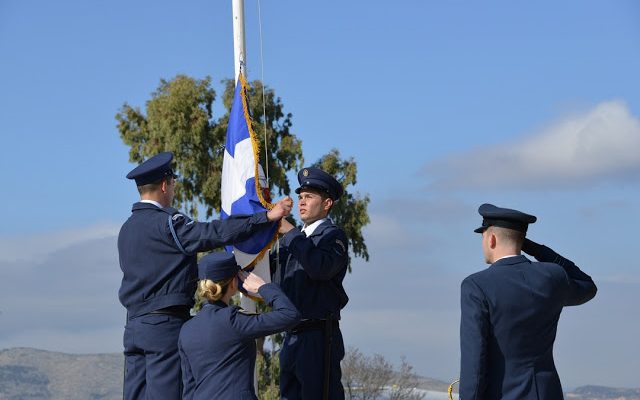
(251,282)
(281,209)
(530,247)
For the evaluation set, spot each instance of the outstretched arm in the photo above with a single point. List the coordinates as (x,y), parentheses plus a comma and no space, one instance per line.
(202,236)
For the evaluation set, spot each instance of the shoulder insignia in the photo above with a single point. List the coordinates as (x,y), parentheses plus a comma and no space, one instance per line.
(339,242)
(177,216)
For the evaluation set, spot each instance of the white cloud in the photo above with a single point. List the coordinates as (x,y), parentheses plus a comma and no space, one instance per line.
(59,291)
(580,149)
(37,246)
(385,230)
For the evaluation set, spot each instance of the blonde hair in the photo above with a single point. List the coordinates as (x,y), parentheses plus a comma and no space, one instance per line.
(209,290)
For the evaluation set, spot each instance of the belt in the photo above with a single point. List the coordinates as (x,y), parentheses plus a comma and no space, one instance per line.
(176,311)
(307,325)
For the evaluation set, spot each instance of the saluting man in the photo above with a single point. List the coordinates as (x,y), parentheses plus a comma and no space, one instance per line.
(510,312)
(157,247)
(313,263)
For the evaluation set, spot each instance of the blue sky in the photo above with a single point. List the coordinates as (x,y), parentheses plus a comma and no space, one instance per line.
(444,106)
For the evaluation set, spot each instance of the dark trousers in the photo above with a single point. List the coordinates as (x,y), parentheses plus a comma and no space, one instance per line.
(302,366)
(152,362)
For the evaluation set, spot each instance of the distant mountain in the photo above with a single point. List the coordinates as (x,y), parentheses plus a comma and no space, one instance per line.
(433,389)
(31,374)
(434,385)
(603,393)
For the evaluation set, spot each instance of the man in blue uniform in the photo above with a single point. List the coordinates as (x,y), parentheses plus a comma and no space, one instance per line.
(312,265)
(157,247)
(510,312)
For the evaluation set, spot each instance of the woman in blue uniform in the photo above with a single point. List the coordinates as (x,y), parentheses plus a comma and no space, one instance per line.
(217,347)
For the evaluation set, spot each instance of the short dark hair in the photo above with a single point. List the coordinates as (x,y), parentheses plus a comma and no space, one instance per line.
(509,236)
(152,187)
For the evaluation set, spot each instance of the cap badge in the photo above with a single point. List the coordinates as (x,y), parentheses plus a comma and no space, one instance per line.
(305,172)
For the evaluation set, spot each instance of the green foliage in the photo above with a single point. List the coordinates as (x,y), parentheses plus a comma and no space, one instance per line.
(179,119)
(268,368)
(350,212)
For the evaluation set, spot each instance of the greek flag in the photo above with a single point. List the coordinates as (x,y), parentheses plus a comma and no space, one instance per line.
(243,184)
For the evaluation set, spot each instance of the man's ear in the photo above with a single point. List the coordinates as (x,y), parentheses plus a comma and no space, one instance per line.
(328,203)
(493,241)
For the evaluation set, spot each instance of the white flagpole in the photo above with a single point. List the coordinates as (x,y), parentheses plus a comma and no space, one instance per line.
(239,59)
(239,49)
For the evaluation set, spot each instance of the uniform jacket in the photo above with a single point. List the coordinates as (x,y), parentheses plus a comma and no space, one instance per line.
(218,350)
(312,268)
(161,271)
(510,315)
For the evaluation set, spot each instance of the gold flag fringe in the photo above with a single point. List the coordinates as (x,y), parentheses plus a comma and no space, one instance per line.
(256,155)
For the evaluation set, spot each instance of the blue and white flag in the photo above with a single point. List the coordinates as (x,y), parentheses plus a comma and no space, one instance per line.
(242,189)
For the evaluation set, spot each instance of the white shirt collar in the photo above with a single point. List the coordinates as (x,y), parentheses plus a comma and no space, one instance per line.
(308,229)
(155,203)
(514,255)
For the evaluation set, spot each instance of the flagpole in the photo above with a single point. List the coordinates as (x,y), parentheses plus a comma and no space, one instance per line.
(239,60)
(239,49)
